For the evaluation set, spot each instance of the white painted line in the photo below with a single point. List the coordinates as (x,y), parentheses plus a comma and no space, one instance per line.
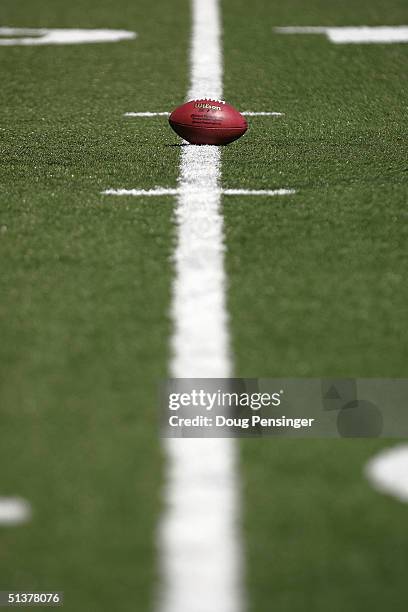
(166,114)
(199,538)
(353,34)
(388,472)
(60,36)
(262,114)
(301,30)
(364,34)
(258,192)
(14,511)
(158,191)
(163,191)
(147,114)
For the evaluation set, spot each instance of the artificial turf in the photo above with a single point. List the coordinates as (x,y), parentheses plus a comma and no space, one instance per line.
(317,287)
(85,289)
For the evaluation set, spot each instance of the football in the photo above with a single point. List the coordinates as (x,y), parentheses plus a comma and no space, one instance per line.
(208,122)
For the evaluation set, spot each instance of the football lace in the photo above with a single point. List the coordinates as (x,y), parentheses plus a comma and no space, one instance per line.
(209,100)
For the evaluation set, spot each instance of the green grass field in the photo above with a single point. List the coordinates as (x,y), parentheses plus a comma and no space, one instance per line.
(316,287)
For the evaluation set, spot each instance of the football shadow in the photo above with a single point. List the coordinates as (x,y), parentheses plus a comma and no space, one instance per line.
(178,144)
(187,144)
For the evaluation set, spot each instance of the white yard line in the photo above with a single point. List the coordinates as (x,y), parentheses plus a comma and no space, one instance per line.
(164,191)
(199,538)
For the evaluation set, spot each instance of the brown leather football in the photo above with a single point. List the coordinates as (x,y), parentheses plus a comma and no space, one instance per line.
(211,122)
